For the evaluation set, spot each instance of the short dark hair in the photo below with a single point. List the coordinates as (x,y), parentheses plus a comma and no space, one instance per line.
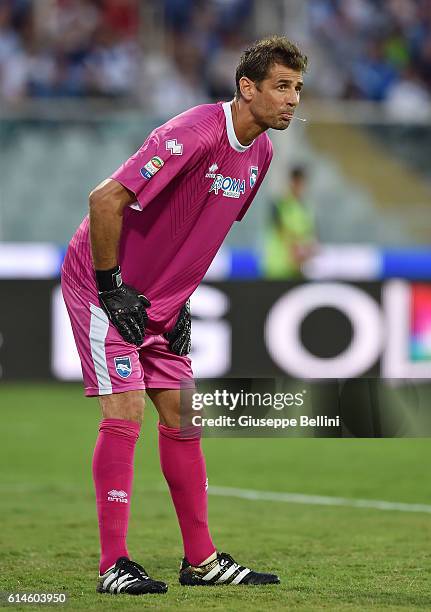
(257,60)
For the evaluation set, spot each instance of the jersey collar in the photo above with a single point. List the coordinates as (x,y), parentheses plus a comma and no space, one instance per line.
(233,140)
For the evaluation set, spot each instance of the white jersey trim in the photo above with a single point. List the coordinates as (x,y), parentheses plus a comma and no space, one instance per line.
(233,140)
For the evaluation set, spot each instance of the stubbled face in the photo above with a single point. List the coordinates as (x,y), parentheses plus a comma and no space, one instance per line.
(273,101)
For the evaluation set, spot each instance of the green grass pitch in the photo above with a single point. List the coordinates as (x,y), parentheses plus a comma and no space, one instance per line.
(328,558)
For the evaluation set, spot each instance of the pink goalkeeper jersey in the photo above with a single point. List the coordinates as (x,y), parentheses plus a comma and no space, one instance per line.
(192,179)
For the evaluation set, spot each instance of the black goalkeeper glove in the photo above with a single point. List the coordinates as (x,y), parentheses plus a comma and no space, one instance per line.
(180,336)
(125,307)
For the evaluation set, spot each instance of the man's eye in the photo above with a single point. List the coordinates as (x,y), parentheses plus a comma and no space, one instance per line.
(282,87)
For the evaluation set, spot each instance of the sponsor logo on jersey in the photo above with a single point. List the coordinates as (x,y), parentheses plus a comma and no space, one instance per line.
(253,175)
(117,496)
(176,148)
(151,167)
(212,171)
(231,187)
(123,366)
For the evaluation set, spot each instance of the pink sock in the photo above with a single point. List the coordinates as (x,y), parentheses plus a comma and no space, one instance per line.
(183,466)
(113,478)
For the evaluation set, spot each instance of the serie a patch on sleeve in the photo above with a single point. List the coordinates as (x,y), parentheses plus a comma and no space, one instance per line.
(152,167)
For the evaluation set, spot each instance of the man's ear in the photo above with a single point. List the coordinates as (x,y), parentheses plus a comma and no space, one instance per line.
(247,88)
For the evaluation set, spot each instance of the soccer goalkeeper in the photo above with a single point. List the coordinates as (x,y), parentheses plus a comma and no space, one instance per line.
(152,231)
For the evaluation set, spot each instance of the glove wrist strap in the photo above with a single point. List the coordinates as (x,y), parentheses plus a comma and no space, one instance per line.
(107,280)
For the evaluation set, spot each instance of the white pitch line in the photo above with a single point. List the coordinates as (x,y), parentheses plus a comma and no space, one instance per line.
(317,500)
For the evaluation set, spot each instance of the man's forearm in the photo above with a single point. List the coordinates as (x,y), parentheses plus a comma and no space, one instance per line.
(105,231)
(106,220)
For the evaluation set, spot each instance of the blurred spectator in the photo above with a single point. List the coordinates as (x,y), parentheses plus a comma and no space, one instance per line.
(373,73)
(396,49)
(424,61)
(178,14)
(408,98)
(70,26)
(111,64)
(290,235)
(173,81)
(221,67)
(121,16)
(232,12)
(203,29)
(13,69)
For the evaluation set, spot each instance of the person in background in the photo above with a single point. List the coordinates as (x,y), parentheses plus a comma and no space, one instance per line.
(290,239)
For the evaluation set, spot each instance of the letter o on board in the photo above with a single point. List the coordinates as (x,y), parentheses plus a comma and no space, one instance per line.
(283,325)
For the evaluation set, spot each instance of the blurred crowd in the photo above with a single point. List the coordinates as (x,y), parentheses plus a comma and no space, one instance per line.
(66,48)
(377,50)
(172,54)
(110,49)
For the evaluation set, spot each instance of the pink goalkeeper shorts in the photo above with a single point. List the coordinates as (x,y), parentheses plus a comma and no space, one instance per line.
(109,363)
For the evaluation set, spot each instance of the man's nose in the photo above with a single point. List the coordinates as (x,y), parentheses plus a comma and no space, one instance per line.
(293,98)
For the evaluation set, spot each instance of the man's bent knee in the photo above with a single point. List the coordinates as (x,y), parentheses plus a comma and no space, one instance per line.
(174,406)
(128,406)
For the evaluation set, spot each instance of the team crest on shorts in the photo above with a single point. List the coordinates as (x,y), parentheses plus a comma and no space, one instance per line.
(253,175)
(123,366)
